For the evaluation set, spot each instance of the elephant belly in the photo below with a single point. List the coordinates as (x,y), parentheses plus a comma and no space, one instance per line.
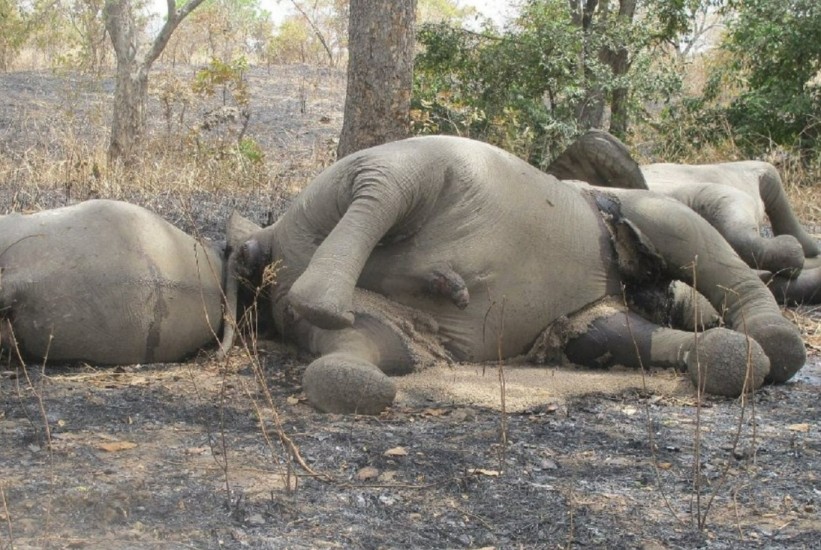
(108,294)
(525,262)
(119,321)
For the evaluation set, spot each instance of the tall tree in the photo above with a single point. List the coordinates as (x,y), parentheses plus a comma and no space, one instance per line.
(381,40)
(12,32)
(131,81)
(604,48)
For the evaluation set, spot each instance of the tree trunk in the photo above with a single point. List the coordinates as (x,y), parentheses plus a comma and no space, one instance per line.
(381,39)
(131,83)
(128,120)
(590,109)
(619,62)
(592,16)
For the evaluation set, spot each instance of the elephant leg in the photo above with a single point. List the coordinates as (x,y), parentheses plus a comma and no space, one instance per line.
(720,361)
(781,215)
(694,252)
(323,293)
(346,377)
(804,289)
(352,372)
(733,213)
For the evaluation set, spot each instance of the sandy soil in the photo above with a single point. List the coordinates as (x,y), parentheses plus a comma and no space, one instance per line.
(211,454)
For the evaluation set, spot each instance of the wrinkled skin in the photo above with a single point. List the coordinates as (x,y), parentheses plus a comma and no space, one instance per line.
(108,283)
(495,252)
(733,197)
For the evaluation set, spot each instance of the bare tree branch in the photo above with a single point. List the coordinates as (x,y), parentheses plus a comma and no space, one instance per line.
(316,30)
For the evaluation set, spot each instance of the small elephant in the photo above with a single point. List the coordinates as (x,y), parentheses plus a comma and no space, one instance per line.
(108,283)
(733,197)
(495,258)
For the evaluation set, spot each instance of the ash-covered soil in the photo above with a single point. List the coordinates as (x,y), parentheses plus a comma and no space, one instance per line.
(210,454)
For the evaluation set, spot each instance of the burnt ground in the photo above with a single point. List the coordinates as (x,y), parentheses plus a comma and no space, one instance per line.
(211,454)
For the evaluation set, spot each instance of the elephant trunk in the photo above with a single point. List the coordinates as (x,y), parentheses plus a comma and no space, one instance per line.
(229,322)
(238,232)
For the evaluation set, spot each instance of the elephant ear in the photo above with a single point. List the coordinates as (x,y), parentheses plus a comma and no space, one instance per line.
(600,159)
(239,230)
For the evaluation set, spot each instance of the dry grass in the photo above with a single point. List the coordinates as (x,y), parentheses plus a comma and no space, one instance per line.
(56,141)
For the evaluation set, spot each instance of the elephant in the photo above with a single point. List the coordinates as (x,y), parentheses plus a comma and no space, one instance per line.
(106,282)
(486,257)
(734,197)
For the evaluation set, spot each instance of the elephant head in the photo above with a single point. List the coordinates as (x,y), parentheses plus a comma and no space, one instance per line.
(494,255)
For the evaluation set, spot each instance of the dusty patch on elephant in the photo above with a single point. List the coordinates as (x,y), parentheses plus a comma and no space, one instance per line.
(541,377)
(417,331)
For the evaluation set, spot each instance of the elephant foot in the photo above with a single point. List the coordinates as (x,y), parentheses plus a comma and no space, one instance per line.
(782,343)
(725,362)
(321,303)
(804,289)
(451,285)
(343,383)
(781,255)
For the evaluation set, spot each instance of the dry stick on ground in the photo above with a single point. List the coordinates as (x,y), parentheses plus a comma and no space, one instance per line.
(7,513)
(268,278)
(735,512)
(502,385)
(570,522)
(222,463)
(501,373)
(701,381)
(40,403)
(650,436)
(702,511)
(746,391)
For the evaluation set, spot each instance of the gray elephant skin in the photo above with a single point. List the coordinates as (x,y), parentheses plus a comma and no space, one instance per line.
(106,282)
(497,256)
(735,197)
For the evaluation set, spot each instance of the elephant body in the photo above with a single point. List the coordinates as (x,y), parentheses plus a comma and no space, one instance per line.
(106,282)
(734,197)
(737,198)
(456,226)
(496,252)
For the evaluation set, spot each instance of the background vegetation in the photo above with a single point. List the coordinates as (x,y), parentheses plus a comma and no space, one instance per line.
(678,80)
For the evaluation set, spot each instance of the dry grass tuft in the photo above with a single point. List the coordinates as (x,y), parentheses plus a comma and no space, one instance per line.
(55,139)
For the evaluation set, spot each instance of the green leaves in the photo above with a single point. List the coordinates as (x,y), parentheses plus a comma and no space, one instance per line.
(546,78)
(776,46)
